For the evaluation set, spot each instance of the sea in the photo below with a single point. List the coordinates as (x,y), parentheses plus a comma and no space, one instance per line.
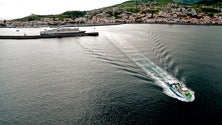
(116,78)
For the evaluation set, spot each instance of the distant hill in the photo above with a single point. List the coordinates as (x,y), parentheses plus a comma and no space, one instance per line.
(67,14)
(211,2)
(180,1)
(206,2)
(129,3)
(187,1)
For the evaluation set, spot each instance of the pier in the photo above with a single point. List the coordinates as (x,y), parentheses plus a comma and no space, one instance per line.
(50,36)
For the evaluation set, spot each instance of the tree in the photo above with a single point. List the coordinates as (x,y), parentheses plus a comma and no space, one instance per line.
(74,14)
(4,21)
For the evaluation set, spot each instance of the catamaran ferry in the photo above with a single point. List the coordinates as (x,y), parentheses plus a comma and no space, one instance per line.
(62,30)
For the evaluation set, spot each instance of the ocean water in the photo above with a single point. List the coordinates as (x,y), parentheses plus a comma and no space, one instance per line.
(107,80)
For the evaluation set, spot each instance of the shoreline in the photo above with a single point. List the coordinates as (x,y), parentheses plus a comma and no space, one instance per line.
(112,24)
(182,24)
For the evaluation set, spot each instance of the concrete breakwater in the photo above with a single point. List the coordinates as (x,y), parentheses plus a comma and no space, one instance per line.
(50,36)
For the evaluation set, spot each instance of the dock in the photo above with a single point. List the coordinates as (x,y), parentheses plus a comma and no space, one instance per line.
(50,36)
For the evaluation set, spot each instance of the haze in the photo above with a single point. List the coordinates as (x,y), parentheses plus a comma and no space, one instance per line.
(11,9)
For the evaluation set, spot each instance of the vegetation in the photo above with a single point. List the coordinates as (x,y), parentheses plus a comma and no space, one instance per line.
(131,6)
(164,1)
(187,1)
(211,2)
(115,14)
(74,14)
(150,11)
(67,14)
(209,10)
(133,10)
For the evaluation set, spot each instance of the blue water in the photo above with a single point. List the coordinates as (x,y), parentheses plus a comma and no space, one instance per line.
(101,80)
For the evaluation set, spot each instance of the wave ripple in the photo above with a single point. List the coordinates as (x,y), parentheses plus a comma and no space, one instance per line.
(154,71)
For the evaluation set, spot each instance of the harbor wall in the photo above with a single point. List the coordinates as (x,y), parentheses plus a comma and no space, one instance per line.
(50,36)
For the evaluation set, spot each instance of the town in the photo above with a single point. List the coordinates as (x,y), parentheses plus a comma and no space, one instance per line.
(146,12)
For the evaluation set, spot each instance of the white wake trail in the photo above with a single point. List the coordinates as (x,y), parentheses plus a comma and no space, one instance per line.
(158,74)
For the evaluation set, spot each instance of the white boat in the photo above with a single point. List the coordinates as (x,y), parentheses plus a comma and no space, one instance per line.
(180,90)
(62,30)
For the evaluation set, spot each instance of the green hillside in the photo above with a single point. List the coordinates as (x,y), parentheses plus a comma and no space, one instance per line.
(186,1)
(67,14)
(131,5)
(164,1)
(211,2)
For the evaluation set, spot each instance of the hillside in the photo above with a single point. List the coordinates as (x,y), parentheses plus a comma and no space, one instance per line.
(187,1)
(211,2)
(129,6)
(67,14)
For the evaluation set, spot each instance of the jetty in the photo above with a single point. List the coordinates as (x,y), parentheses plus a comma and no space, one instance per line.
(50,36)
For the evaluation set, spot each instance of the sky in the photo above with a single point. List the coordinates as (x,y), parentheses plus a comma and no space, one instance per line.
(12,9)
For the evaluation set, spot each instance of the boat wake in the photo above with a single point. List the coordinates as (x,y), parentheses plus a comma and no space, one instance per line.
(160,76)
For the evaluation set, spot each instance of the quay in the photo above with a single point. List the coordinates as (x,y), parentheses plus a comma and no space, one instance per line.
(50,36)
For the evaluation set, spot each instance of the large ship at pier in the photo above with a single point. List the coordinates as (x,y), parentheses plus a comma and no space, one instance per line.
(54,33)
(63,30)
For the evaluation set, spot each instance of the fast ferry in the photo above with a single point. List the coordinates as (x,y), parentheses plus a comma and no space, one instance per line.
(62,30)
(180,90)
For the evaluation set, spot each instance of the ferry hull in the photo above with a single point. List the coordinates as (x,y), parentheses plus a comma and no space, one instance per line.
(181,91)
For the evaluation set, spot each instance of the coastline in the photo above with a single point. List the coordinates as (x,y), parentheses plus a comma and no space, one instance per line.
(111,24)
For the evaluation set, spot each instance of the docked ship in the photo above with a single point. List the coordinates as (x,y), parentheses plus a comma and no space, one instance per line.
(62,31)
(180,90)
(54,33)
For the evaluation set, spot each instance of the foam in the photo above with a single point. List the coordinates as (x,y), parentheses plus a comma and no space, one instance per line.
(155,72)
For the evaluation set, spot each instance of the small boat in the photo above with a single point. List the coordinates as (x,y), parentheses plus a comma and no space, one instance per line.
(63,30)
(180,90)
